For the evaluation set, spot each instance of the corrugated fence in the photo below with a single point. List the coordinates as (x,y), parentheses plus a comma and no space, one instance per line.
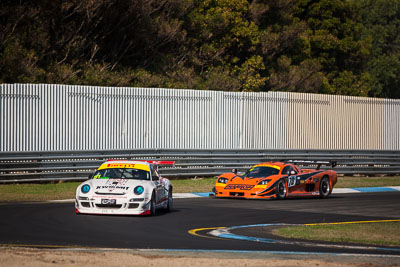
(45,117)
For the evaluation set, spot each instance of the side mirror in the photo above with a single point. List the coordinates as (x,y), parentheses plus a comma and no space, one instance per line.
(234,171)
(155,178)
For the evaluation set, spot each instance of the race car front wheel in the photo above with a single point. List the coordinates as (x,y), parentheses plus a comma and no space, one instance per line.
(281,189)
(324,187)
(153,205)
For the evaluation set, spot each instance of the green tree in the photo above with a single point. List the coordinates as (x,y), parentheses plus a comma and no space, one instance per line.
(334,34)
(319,46)
(382,26)
(224,38)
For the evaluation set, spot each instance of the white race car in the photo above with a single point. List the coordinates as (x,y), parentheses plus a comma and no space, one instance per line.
(126,188)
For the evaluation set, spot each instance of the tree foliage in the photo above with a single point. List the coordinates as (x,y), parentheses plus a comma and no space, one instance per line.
(381,19)
(344,47)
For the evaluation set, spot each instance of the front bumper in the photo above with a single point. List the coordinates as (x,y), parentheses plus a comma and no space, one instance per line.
(244,191)
(245,195)
(122,206)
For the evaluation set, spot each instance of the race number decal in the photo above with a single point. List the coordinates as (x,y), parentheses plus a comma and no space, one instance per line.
(291,181)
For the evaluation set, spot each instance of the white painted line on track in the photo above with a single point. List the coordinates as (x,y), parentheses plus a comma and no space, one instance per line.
(344,191)
(185,195)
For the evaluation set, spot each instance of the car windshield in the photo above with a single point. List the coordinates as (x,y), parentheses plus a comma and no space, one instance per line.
(258,172)
(122,173)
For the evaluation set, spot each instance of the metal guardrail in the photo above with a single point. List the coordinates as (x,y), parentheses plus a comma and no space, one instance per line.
(47,166)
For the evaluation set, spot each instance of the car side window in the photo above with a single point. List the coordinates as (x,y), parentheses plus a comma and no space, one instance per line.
(295,169)
(286,170)
(154,174)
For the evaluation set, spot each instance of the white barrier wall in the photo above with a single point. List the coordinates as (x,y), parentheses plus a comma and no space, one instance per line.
(40,117)
(340,122)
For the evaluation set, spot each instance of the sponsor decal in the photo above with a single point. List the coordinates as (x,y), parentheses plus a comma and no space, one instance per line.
(114,196)
(115,182)
(124,166)
(112,187)
(239,186)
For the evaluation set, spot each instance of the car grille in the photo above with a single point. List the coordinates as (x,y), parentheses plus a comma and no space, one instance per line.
(85,204)
(236,194)
(105,193)
(133,205)
(108,206)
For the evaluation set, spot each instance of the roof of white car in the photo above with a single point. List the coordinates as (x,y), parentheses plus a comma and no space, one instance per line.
(128,162)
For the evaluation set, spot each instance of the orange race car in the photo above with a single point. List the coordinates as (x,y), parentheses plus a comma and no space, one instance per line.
(278,180)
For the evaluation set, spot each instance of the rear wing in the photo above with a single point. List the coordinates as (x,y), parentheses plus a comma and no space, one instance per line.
(157,163)
(160,162)
(314,162)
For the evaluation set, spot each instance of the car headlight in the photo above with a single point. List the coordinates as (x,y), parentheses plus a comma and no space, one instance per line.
(85,188)
(138,190)
(222,180)
(264,182)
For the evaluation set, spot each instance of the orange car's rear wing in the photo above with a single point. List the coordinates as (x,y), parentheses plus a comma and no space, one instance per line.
(313,162)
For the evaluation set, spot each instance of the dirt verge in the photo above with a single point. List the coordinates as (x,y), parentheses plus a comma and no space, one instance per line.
(52,257)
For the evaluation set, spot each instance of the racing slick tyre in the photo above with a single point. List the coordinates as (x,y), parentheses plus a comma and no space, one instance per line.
(153,205)
(170,200)
(281,189)
(324,187)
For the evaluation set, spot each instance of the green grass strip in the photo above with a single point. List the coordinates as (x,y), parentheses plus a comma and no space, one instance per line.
(66,190)
(385,233)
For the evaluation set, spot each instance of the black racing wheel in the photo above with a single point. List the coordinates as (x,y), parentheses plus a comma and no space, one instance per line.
(281,189)
(324,187)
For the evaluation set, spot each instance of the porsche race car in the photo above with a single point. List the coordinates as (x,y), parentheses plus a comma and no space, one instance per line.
(125,188)
(276,180)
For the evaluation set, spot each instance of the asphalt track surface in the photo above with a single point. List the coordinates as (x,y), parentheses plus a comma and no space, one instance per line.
(56,224)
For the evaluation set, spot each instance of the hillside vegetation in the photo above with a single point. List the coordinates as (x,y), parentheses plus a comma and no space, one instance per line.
(345,47)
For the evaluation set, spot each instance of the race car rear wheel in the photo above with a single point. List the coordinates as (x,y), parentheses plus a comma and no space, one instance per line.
(170,200)
(281,189)
(324,187)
